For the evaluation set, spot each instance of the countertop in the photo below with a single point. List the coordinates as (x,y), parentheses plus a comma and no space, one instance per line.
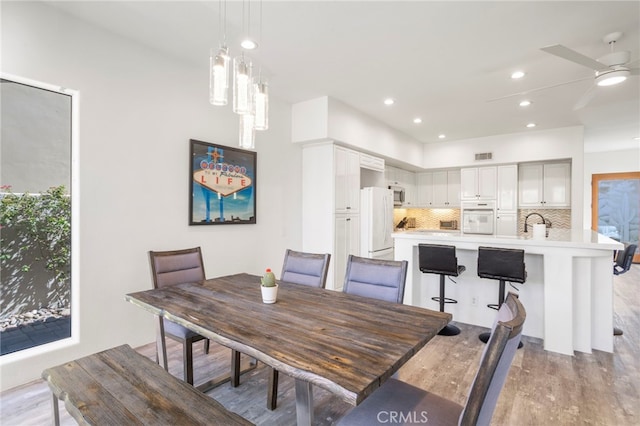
(577,238)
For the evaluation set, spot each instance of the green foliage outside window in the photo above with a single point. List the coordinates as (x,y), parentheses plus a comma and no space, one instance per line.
(36,228)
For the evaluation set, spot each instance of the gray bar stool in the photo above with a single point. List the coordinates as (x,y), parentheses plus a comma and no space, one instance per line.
(504,265)
(442,260)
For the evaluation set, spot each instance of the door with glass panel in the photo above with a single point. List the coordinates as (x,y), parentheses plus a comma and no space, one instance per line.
(615,207)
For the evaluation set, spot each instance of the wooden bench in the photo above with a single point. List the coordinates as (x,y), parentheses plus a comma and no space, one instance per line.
(121,387)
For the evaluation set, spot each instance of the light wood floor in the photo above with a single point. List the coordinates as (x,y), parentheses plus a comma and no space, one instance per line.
(542,388)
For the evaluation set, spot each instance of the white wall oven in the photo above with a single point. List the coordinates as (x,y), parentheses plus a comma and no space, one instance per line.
(479,217)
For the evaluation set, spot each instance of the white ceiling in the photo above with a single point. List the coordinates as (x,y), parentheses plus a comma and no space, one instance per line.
(441,61)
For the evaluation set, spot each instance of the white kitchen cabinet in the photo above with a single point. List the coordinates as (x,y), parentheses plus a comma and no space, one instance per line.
(372,163)
(478,183)
(439,189)
(408,182)
(544,185)
(347,232)
(506,224)
(390,175)
(446,188)
(347,180)
(507,201)
(424,189)
(507,188)
(327,171)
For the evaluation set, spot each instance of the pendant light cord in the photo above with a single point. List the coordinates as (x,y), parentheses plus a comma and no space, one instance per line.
(222,20)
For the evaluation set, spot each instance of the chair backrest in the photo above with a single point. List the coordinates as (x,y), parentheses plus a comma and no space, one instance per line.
(305,268)
(376,278)
(501,264)
(495,363)
(438,259)
(176,267)
(624,259)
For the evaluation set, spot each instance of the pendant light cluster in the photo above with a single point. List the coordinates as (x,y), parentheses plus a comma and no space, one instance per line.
(250,93)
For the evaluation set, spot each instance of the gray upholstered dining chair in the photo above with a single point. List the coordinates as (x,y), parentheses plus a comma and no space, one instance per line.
(305,268)
(300,268)
(412,404)
(171,268)
(376,278)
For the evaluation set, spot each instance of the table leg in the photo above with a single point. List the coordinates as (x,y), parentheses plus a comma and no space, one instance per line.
(304,402)
(161,347)
(56,410)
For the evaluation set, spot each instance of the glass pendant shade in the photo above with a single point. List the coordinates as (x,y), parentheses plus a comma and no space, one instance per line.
(247,131)
(219,77)
(261,100)
(242,87)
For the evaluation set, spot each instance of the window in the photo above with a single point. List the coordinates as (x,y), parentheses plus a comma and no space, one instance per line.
(36,209)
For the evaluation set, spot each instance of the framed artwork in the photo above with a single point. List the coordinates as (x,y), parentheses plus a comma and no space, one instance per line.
(222,185)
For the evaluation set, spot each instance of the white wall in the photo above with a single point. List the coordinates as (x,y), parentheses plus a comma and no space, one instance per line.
(326,118)
(138,110)
(566,142)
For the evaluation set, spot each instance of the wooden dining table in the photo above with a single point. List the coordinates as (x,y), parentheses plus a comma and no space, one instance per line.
(346,344)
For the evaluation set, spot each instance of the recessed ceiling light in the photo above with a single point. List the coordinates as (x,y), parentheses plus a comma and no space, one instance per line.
(389,101)
(417,120)
(517,74)
(530,125)
(525,103)
(442,136)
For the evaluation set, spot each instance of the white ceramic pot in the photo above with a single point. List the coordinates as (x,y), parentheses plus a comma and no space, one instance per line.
(269,294)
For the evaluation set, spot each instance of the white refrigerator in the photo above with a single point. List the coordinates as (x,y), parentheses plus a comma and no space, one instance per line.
(376,221)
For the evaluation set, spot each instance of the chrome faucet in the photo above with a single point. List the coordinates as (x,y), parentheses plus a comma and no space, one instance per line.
(544,221)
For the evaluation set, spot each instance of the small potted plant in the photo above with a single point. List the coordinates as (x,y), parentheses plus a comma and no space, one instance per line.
(269,287)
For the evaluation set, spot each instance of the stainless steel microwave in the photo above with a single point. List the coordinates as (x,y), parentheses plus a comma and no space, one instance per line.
(398,195)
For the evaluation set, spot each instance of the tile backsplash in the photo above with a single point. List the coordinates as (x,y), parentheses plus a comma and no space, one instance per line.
(560,218)
(425,218)
(430,218)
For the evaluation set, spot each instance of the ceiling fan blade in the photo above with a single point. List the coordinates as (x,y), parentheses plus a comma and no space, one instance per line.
(585,98)
(573,56)
(526,92)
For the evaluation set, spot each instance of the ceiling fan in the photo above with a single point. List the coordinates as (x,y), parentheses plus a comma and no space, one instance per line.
(611,69)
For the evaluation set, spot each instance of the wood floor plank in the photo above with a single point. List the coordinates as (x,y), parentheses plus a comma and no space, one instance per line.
(542,388)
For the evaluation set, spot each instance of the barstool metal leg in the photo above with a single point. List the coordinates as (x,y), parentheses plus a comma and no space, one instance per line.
(449,329)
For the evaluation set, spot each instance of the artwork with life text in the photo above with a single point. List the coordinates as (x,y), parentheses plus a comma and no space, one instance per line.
(222,185)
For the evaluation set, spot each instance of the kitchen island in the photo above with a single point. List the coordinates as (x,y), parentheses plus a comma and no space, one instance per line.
(568,293)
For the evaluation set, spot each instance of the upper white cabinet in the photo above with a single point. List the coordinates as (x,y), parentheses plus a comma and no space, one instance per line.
(424,189)
(478,183)
(446,188)
(439,189)
(545,185)
(507,188)
(347,180)
(391,175)
(372,163)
